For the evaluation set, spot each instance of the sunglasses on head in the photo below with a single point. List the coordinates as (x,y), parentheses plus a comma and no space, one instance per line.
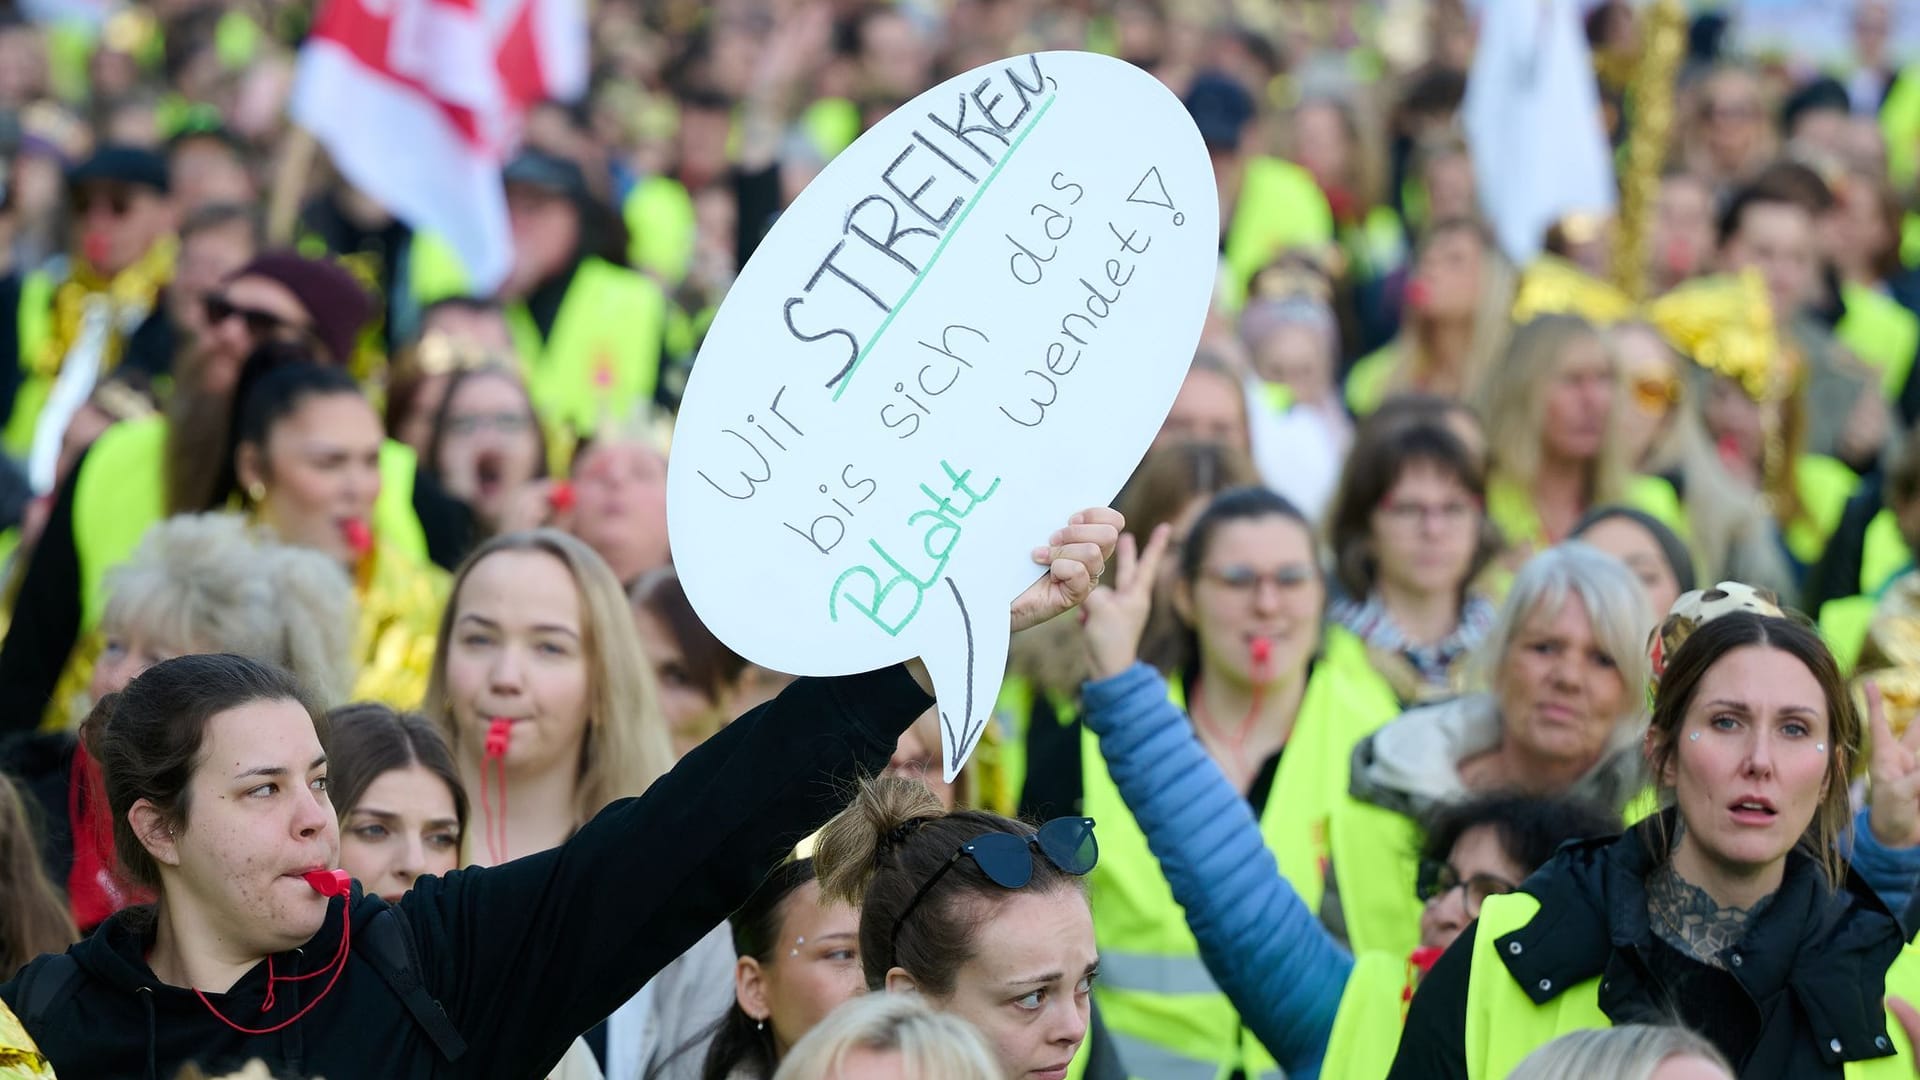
(1065,842)
(259,323)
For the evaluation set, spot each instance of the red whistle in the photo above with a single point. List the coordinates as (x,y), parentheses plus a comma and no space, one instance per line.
(1418,295)
(329,882)
(560,499)
(498,732)
(1262,650)
(95,248)
(358,536)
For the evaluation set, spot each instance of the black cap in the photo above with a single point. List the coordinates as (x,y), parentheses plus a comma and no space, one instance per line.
(1220,108)
(125,164)
(550,172)
(1823,94)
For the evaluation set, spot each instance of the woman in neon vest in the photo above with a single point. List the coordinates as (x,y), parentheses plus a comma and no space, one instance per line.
(1731,535)
(1455,325)
(1279,703)
(306,456)
(1558,716)
(980,915)
(1732,909)
(1320,1010)
(1554,417)
(1410,534)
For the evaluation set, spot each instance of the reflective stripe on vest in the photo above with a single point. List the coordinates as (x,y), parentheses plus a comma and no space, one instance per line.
(601,359)
(1504,1025)
(120,491)
(1153,986)
(1373,1010)
(1145,1060)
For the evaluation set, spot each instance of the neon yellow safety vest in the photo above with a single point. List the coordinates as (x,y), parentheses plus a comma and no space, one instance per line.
(35,328)
(1167,1017)
(1367,381)
(1504,1025)
(120,490)
(658,214)
(1373,1010)
(1280,207)
(1844,624)
(1512,508)
(831,125)
(1880,332)
(1883,552)
(602,358)
(1825,484)
(1376,863)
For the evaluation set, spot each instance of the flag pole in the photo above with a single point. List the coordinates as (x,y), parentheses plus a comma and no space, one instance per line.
(297,157)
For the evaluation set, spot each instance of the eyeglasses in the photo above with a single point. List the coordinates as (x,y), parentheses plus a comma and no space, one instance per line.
(1065,842)
(1245,579)
(261,324)
(1437,879)
(506,423)
(1654,393)
(1412,515)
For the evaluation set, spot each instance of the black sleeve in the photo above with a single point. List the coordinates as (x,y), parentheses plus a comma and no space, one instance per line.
(448,522)
(1433,1045)
(1837,572)
(527,955)
(46,618)
(152,344)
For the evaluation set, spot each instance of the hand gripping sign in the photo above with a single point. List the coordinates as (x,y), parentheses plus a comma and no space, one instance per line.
(965,329)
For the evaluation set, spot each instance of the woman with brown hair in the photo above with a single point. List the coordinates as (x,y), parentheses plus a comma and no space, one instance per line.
(1733,909)
(33,917)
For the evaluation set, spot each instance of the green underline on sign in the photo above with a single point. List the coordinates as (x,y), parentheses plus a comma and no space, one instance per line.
(847,379)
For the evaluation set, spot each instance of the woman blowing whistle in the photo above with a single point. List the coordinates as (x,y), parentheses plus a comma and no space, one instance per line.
(216,776)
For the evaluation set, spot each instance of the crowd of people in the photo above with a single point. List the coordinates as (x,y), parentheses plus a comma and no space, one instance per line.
(1501,664)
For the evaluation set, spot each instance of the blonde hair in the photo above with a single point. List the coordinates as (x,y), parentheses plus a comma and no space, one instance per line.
(932,1045)
(626,747)
(209,583)
(1627,1052)
(1730,533)
(1492,312)
(1513,405)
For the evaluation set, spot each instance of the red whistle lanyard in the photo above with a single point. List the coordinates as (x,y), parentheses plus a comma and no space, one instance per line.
(329,883)
(499,733)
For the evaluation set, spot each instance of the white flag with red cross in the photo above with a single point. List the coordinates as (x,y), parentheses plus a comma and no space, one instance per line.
(419,102)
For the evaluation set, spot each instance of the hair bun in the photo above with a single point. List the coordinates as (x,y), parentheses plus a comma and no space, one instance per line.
(884,813)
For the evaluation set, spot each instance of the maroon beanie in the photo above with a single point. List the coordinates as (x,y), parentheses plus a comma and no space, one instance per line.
(335,302)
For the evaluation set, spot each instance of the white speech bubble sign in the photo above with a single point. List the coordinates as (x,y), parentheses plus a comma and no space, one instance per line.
(968,327)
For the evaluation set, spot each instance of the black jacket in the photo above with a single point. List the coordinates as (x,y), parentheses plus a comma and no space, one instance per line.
(1810,973)
(523,957)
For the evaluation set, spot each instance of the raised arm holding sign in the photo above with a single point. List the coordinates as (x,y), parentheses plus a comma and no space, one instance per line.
(969,326)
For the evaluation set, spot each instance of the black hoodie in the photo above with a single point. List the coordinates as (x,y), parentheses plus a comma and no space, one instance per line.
(524,956)
(1802,998)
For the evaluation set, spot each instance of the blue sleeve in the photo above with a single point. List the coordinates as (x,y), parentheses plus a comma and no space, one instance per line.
(1891,872)
(1273,959)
